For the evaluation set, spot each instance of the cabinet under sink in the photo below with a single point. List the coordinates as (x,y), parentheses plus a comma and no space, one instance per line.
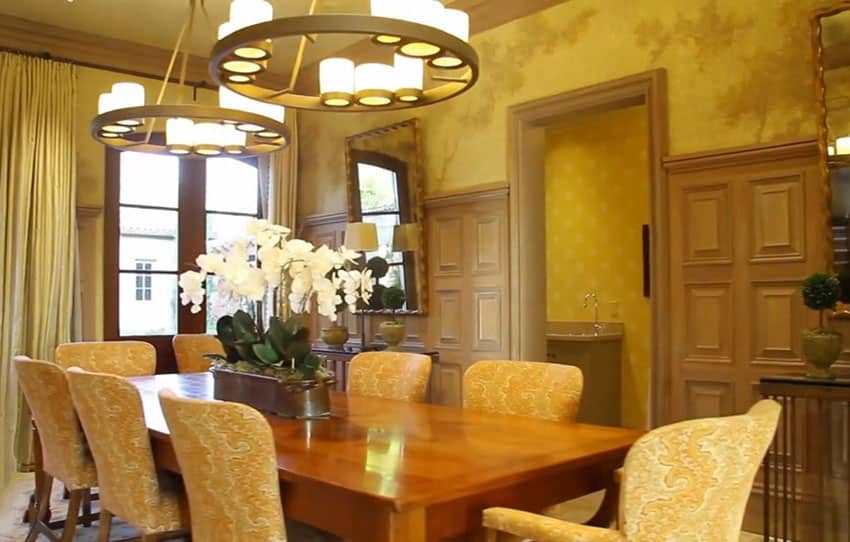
(596,349)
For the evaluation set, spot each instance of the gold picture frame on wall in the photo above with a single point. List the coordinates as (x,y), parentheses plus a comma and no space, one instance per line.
(392,157)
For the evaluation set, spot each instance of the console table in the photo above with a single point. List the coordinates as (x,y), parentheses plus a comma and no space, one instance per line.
(805,475)
(337,360)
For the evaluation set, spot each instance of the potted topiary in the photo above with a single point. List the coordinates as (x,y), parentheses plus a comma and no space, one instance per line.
(269,363)
(821,346)
(393,331)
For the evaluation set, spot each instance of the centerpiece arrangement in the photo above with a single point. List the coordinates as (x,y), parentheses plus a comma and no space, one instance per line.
(269,363)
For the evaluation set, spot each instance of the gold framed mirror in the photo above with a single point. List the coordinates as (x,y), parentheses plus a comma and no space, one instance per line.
(385,188)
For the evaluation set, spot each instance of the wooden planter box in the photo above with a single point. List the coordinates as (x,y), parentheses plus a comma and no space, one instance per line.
(303,399)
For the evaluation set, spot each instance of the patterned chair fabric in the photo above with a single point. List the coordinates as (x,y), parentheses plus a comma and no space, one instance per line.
(111,413)
(402,376)
(122,358)
(533,389)
(64,450)
(189,350)
(227,457)
(686,481)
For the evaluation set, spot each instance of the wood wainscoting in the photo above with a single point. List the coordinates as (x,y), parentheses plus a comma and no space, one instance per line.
(468,258)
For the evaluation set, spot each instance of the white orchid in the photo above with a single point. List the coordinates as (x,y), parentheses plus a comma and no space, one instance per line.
(297,270)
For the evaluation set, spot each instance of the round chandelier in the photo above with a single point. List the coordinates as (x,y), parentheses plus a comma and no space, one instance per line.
(238,126)
(428,44)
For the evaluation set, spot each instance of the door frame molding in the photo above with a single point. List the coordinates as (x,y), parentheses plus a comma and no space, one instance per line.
(526,178)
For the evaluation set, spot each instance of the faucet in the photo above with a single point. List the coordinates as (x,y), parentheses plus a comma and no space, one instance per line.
(597,327)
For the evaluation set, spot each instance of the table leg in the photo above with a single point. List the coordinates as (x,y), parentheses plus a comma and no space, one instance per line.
(405,526)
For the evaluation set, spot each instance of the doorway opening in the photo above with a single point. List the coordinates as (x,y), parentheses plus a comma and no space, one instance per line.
(529,124)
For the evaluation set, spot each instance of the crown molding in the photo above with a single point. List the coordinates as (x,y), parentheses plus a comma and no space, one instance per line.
(741,156)
(100,52)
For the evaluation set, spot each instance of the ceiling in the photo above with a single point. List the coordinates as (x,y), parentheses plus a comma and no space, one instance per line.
(158,22)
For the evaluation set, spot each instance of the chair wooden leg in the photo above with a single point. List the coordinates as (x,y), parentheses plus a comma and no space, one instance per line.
(492,535)
(105,525)
(75,497)
(87,507)
(43,500)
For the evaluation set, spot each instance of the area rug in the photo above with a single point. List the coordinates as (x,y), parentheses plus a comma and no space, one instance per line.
(14,503)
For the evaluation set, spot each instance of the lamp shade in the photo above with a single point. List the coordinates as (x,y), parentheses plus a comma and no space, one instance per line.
(106,103)
(247,12)
(336,81)
(179,135)
(456,23)
(406,237)
(361,236)
(128,95)
(374,83)
(409,72)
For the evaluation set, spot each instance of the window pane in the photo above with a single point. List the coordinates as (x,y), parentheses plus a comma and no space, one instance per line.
(150,236)
(218,306)
(378,189)
(148,179)
(232,186)
(224,229)
(385,225)
(155,313)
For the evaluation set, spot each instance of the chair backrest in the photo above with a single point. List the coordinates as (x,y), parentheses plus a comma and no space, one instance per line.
(403,376)
(122,358)
(534,389)
(63,445)
(112,416)
(691,480)
(227,458)
(189,349)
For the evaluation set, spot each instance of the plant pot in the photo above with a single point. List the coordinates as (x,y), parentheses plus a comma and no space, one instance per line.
(335,336)
(821,348)
(302,399)
(393,333)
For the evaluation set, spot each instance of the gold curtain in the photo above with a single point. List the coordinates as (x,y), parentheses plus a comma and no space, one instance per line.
(282,168)
(38,231)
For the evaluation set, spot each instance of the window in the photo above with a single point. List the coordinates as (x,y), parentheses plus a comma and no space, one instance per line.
(162,211)
(143,281)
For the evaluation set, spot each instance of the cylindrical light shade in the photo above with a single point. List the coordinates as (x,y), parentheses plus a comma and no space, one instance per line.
(225,29)
(374,83)
(336,81)
(207,138)
(128,94)
(233,139)
(406,237)
(231,100)
(179,135)
(409,78)
(106,102)
(361,236)
(247,12)
(392,9)
(842,145)
(456,23)
(830,150)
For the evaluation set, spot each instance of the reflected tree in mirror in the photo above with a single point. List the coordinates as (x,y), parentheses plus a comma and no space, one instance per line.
(385,184)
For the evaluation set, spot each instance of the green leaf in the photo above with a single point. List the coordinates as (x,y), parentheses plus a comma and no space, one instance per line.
(294,324)
(821,291)
(266,353)
(244,327)
(278,335)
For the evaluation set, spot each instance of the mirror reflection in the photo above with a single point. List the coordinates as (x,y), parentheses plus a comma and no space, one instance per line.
(385,189)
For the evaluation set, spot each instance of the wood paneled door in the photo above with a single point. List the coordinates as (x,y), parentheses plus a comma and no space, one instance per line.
(747,226)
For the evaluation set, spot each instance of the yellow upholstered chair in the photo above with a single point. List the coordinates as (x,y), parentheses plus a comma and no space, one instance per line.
(227,457)
(547,391)
(130,487)
(122,358)
(65,454)
(402,376)
(189,350)
(686,481)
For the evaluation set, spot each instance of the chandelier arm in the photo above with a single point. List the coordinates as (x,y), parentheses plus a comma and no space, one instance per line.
(172,61)
(299,56)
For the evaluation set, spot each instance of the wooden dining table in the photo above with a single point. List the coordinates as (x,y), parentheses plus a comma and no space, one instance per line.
(380,470)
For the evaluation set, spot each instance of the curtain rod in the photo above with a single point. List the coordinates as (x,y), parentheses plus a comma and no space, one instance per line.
(47,56)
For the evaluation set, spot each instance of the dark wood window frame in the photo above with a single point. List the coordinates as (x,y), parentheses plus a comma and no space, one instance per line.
(191,241)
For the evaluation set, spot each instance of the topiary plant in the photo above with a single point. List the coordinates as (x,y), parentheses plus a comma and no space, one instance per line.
(821,291)
(393,298)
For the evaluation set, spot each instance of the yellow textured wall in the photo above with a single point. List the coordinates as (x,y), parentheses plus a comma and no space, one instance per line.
(597,199)
(91,158)
(739,73)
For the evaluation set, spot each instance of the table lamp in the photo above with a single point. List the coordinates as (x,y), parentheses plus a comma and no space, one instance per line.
(406,237)
(361,237)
